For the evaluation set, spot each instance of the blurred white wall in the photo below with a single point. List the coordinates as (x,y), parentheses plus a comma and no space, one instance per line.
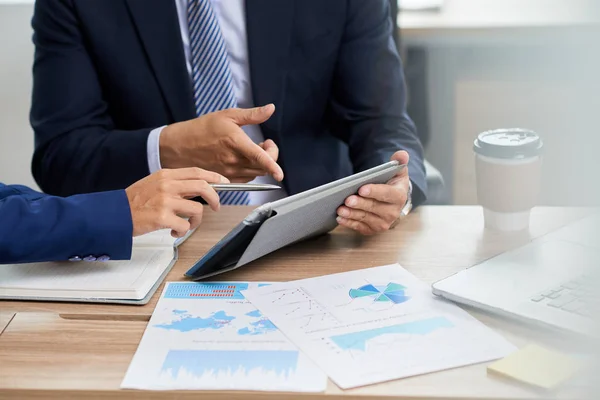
(16,55)
(512,63)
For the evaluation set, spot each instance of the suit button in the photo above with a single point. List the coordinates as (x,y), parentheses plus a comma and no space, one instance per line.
(90,258)
(75,258)
(103,258)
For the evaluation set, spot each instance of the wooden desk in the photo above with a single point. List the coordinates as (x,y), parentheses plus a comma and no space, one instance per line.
(83,350)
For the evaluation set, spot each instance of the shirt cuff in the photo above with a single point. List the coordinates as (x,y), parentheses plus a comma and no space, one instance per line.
(153,150)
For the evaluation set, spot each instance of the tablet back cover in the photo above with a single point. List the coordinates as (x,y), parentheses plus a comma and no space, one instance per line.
(310,213)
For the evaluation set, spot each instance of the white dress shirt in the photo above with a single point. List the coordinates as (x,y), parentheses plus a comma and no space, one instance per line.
(231,15)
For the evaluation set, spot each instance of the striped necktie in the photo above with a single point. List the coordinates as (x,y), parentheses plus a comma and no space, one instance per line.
(211,73)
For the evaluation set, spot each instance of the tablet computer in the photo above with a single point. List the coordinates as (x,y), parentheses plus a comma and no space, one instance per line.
(286,221)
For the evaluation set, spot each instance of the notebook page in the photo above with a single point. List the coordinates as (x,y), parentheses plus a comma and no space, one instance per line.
(160,238)
(113,279)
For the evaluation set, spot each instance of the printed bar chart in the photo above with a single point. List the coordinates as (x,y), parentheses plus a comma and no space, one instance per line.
(191,290)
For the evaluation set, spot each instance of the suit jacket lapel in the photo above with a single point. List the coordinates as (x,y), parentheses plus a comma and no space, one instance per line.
(269,28)
(158,27)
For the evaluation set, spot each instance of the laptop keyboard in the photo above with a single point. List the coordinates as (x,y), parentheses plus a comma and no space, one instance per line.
(573,296)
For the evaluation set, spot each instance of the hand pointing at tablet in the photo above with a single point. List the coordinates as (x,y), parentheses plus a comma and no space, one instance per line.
(216,142)
(377,207)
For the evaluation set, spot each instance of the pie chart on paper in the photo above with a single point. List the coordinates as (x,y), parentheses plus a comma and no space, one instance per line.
(392,292)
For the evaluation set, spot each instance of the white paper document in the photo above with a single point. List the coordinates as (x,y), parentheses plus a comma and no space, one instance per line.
(375,325)
(207,336)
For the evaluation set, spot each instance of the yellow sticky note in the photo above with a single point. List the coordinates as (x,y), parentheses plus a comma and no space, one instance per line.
(537,366)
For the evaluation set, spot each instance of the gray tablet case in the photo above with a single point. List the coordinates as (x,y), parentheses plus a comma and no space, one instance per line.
(287,221)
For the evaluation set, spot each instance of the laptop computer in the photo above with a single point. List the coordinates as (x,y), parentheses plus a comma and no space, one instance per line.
(550,282)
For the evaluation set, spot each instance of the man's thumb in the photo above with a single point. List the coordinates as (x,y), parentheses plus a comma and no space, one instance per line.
(252,116)
(400,156)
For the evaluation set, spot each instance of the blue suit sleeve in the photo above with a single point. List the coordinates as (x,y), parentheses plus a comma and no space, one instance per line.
(77,148)
(36,227)
(369,94)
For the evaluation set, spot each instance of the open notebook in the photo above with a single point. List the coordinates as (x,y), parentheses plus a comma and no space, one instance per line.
(130,282)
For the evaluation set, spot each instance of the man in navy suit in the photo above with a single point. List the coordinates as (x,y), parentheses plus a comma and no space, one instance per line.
(123,88)
(100,226)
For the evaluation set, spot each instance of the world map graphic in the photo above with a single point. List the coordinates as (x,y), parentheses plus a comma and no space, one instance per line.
(254,324)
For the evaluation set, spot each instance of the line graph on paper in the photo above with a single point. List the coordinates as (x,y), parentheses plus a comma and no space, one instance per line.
(329,306)
(302,308)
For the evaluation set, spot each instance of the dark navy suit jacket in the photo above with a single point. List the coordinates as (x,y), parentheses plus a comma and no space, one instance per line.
(107,72)
(37,227)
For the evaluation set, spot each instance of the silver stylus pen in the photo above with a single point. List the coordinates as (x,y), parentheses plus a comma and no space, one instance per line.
(243,187)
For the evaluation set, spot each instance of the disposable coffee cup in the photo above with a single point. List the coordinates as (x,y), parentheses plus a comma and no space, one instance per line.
(508,166)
